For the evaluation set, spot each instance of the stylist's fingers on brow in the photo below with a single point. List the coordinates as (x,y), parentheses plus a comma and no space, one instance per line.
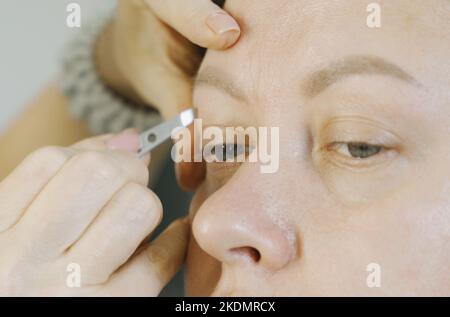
(201,21)
(156,265)
(72,199)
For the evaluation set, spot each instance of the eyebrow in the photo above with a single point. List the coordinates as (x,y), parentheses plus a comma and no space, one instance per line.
(320,80)
(217,78)
(316,82)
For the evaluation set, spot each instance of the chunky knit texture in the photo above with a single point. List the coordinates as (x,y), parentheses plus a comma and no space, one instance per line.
(90,99)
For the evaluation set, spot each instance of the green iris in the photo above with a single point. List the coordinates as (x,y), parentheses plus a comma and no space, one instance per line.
(363,150)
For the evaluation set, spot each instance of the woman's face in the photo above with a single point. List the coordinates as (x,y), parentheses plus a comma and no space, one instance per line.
(363,184)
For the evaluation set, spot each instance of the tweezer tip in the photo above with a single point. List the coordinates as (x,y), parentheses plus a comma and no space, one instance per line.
(188,116)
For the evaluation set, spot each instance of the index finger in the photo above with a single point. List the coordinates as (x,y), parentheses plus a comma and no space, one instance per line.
(200,21)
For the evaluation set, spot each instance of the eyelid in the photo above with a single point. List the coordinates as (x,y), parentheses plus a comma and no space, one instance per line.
(353,129)
(240,137)
(210,147)
(337,147)
(222,171)
(331,157)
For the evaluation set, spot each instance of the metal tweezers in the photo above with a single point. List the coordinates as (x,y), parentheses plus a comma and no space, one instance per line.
(155,136)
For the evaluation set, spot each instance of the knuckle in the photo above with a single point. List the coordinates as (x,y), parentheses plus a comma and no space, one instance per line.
(51,155)
(89,144)
(147,207)
(195,13)
(46,161)
(100,165)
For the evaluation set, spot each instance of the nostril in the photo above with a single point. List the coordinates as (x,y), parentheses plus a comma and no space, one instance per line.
(248,252)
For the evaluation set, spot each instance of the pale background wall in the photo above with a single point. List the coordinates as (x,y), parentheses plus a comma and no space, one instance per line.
(32,34)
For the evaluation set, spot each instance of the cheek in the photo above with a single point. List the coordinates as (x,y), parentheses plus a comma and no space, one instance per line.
(407,237)
(429,222)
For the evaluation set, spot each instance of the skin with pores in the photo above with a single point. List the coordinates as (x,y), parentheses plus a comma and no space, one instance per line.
(314,69)
(363,179)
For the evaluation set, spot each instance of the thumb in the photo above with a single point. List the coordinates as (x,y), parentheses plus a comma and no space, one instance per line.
(167,252)
(150,271)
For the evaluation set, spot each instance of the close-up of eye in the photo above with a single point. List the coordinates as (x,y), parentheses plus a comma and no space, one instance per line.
(358,150)
(224,159)
(229,152)
(357,154)
(358,142)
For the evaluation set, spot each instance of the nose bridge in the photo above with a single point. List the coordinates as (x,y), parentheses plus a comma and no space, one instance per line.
(240,216)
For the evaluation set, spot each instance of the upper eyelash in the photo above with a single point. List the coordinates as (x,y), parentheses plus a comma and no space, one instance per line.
(248,149)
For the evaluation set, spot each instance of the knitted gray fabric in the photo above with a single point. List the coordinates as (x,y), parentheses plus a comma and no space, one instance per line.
(89,98)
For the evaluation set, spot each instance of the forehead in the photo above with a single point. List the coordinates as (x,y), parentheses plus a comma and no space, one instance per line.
(285,40)
(272,17)
(317,27)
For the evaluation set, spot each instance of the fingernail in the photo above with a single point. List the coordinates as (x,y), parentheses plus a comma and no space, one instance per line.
(221,23)
(127,140)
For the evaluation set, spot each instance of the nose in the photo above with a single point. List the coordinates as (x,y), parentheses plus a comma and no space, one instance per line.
(239,227)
